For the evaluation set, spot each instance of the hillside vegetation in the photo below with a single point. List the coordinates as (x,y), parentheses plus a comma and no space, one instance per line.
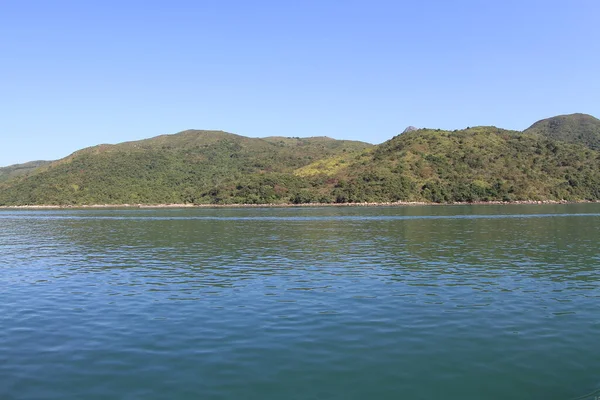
(187,167)
(476,164)
(573,128)
(213,167)
(13,171)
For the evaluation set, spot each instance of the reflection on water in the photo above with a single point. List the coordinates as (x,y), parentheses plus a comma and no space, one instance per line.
(414,302)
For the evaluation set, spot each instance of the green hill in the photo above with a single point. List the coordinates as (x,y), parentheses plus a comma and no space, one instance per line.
(13,171)
(476,164)
(573,128)
(214,167)
(180,168)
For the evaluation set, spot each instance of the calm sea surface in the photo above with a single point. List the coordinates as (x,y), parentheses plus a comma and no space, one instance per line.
(446,302)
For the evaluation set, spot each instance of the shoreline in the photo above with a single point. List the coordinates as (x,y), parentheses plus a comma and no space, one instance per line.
(291,205)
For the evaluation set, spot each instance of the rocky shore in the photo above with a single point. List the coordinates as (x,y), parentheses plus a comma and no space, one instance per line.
(284,205)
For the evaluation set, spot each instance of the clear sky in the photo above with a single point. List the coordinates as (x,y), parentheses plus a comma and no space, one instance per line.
(79,73)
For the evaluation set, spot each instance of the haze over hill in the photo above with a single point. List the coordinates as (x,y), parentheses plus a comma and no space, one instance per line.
(549,161)
(12,171)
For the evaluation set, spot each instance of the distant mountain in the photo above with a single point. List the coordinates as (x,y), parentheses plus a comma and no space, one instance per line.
(572,128)
(214,167)
(13,171)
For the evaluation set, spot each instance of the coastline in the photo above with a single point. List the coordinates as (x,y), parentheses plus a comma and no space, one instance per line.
(291,205)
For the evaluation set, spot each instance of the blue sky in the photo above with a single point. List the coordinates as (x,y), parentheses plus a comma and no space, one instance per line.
(79,73)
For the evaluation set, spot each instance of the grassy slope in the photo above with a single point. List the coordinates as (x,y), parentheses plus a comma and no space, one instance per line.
(13,171)
(185,167)
(573,128)
(477,164)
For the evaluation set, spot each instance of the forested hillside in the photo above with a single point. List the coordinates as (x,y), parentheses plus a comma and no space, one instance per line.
(476,164)
(181,168)
(573,128)
(213,167)
(13,171)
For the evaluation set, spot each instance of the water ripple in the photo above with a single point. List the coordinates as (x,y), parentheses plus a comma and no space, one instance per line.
(459,302)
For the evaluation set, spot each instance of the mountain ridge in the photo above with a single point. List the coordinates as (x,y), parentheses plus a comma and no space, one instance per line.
(11,171)
(483,163)
(572,128)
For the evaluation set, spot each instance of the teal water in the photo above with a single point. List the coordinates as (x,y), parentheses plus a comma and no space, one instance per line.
(453,302)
